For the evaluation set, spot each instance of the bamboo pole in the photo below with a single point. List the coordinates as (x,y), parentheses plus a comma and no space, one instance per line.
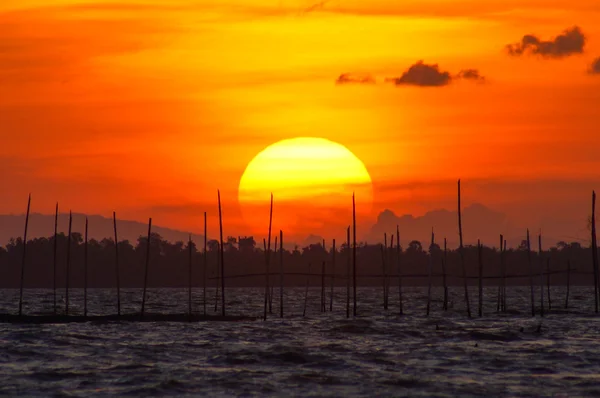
(323,299)
(306,291)
(218,276)
(348,273)
(568,284)
(389,258)
(383,269)
(205,266)
(323,308)
(68,265)
(54,252)
(430,271)
(190,276)
(398,248)
(281,273)
(530,274)
(500,306)
(24,256)
(223,254)
(332,277)
(117,272)
(268,258)
(595,252)
(147,266)
(462,255)
(444,262)
(385,277)
(271,284)
(85,269)
(499,296)
(548,283)
(354,248)
(541,261)
(504,298)
(480,260)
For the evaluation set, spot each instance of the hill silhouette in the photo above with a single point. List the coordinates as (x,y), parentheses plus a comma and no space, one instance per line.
(479,222)
(42,225)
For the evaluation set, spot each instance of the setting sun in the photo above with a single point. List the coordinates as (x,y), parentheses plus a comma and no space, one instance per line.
(313,174)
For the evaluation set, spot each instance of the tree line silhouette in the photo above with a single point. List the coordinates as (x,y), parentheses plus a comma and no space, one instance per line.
(245,263)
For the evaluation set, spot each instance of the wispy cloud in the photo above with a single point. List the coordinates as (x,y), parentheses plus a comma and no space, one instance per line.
(471,74)
(422,74)
(570,42)
(430,75)
(349,78)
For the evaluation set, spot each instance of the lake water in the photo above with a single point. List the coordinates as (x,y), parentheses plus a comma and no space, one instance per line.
(379,353)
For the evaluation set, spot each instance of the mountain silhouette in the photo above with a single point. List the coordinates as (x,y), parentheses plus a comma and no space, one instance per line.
(478,222)
(41,225)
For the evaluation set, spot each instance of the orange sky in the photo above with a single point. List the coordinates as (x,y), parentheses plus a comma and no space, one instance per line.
(148,107)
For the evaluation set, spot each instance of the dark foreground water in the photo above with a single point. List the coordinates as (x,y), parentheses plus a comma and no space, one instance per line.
(377,354)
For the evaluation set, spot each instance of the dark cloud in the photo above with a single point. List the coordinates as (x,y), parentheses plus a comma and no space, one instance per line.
(422,74)
(470,74)
(595,67)
(346,78)
(570,42)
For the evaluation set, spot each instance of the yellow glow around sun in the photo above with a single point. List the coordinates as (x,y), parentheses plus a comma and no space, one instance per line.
(314,175)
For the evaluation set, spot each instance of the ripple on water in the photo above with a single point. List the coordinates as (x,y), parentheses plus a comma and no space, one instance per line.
(377,354)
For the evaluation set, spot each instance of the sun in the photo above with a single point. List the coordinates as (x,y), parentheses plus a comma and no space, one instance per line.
(312,181)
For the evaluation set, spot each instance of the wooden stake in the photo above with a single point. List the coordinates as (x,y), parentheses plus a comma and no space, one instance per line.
(323,308)
(444,262)
(541,258)
(271,284)
(430,271)
(568,283)
(267,259)
(280,273)
(23,257)
(117,272)
(68,265)
(54,254)
(222,256)
(499,295)
(385,277)
(332,277)
(190,276)
(383,268)
(348,273)
(389,260)
(306,291)
(147,266)
(504,298)
(354,248)
(548,282)
(398,248)
(479,256)
(500,306)
(218,276)
(595,253)
(205,265)
(462,255)
(530,274)
(85,269)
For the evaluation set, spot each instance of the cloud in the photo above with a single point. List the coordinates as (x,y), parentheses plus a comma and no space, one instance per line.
(470,74)
(348,78)
(595,67)
(570,42)
(424,75)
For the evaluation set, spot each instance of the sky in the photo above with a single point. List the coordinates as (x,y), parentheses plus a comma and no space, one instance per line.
(149,107)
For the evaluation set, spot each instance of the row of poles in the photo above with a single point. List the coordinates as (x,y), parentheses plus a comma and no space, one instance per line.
(351,267)
(117,271)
